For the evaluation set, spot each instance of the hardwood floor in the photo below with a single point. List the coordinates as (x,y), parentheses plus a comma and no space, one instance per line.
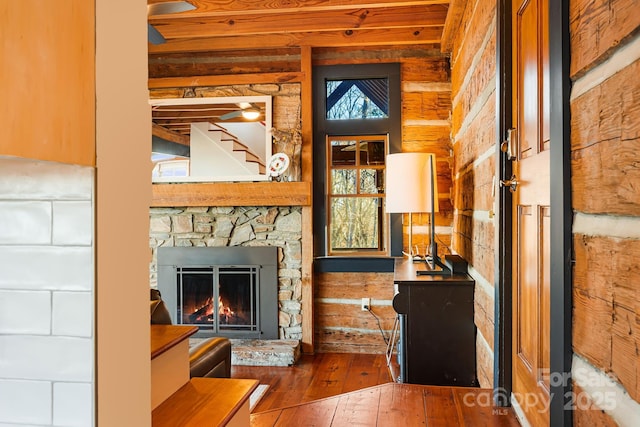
(315,377)
(331,389)
(394,405)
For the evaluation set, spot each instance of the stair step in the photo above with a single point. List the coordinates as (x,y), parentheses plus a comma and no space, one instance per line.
(206,402)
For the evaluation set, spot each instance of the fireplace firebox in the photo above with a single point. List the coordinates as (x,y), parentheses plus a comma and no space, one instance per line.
(225,291)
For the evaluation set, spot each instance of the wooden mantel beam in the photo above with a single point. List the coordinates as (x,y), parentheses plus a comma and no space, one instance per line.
(232,194)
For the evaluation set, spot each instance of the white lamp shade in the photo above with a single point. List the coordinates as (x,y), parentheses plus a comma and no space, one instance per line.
(409,178)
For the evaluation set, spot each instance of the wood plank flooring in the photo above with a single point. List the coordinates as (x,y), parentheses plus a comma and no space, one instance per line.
(331,389)
(315,377)
(391,405)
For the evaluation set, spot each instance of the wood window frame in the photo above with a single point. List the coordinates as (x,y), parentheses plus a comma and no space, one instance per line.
(392,126)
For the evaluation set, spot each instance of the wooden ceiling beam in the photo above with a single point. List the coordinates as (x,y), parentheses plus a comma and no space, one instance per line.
(304,22)
(169,135)
(262,54)
(385,37)
(235,79)
(452,23)
(225,7)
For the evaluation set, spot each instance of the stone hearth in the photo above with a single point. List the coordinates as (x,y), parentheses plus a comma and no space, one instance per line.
(264,352)
(250,352)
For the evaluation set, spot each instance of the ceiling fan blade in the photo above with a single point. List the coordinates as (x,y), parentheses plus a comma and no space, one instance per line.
(154,35)
(169,7)
(163,9)
(231,115)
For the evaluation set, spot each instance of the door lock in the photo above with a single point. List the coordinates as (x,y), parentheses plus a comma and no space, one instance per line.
(510,145)
(512,183)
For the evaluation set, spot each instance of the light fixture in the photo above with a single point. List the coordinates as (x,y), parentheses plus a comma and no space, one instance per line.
(251,113)
(412,187)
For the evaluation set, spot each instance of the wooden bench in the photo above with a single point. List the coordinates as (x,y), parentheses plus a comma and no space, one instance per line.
(179,401)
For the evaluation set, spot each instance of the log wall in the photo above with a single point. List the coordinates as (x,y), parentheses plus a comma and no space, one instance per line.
(426,128)
(473,130)
(339,323)
(605,139)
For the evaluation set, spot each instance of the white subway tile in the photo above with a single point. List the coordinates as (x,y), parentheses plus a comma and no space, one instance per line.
(73,314)
(72,223)
(19,425)
(42,267)
(50,358)
(25,312)
(25,402)
(25,179)
(72,404)
(25,223)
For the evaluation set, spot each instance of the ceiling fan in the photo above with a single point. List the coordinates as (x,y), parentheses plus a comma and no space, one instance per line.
(155,37)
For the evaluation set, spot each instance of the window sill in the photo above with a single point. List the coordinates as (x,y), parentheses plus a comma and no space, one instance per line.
(354,264)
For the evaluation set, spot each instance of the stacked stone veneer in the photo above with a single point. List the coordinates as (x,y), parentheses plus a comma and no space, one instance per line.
(240,226)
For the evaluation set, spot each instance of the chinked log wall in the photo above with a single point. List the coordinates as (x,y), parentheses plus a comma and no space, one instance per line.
(473,130)
(340,325)
(605,140)
(426,108)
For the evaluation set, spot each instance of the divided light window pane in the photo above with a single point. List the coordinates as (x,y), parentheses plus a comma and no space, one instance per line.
(357,99)
(355,223)
(356,168)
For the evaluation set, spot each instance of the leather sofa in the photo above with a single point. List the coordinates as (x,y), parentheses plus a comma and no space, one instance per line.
(211,358)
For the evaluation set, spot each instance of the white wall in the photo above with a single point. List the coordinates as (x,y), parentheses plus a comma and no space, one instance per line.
(46,294)
(123,195)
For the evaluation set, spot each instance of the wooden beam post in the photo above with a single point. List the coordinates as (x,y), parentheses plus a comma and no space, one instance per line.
(307,211)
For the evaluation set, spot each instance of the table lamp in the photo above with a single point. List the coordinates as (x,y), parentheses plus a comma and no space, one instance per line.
(411,187)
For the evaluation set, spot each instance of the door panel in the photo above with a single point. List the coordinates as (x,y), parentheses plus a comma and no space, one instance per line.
(526,289)
(531,278)
(527,43)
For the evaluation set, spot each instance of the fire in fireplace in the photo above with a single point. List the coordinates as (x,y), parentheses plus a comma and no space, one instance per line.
(219,298)
(225,291)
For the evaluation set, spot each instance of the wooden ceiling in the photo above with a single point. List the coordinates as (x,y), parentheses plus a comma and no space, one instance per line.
(235,42)
(235,25)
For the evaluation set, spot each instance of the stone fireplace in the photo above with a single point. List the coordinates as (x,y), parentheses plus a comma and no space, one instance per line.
(279,228)
(225,291)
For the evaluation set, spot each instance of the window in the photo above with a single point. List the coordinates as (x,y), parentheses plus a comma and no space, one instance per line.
(355,197)
(357,99)
(356,123)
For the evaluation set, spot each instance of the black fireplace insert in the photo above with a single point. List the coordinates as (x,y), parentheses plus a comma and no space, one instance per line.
(225,291)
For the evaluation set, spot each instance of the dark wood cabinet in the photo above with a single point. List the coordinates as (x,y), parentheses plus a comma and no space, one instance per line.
(437,332)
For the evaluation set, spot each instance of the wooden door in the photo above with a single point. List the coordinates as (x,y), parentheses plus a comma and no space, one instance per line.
(531,210)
